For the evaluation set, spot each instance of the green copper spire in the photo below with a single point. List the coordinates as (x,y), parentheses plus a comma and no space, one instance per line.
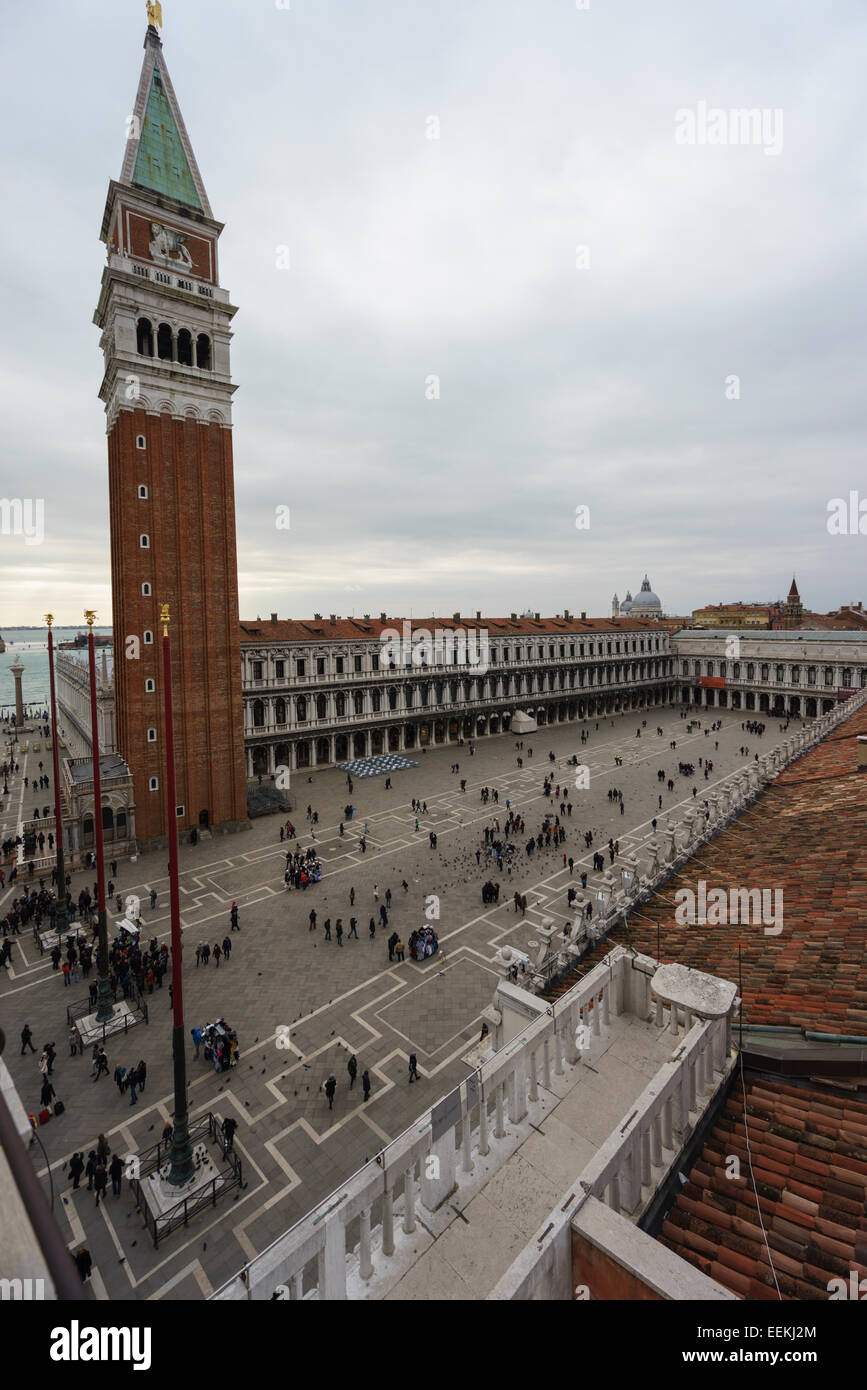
(161,163)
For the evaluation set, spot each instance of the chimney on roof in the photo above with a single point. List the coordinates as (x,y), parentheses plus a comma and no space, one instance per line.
(367,617)
(566,614)
(273,617)
(317,617)
(514,617)
(333,619)
(456,617)
(478,615)
(382,618)
(538,617)
(583,615)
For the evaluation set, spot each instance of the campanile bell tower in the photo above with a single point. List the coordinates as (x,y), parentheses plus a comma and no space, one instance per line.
(167,389)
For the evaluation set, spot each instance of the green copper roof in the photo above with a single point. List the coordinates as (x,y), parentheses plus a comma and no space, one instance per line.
(161,164)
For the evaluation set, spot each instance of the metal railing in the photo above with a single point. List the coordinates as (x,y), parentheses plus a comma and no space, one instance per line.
(228,1178)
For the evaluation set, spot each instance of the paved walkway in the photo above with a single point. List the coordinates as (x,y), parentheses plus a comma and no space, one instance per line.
(302,1005)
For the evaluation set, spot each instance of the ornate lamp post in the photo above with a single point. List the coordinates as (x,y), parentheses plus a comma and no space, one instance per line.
(62,915)
(182,1149)
(104,1001)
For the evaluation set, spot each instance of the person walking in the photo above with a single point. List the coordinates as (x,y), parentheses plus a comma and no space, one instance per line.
(27,1039)
(115,1170)
(197,1038)
(392,942)
(153,898)
(206,953)
(101,1064)
(100,1179)
(228,1127)
(413,1067)
(365,1084)
(47,1093)
(352,897)
(198,955)
(312,919)
(83,1263)
(76,1168)
(90,1169)
(376,891)
(338,931)
(372,928)
(132,1083)
(352,1068)
(399,949)
(142,1074)
(327,925)
(330,1088)
(217,954)
(233,915)
(353,924)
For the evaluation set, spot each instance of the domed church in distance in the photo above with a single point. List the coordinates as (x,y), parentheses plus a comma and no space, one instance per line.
(647,604)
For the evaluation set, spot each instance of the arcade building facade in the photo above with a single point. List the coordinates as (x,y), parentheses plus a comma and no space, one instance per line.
(321,692)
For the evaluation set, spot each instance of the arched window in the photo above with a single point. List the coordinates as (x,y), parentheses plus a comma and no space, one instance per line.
(203,352)
(146,590)
(152,735)
(185,348)
(340,705)
(847,675)
(301,708)
(148,637)
(107,818)
(258,714)
(829,675)
(145,542)
(280,710)
(142,491)
(165,346)
(392,696)
(321,706)
(154,784)
(144,338)
(358,701)
(375,701)
(150,686)
(751,671)
(408,696)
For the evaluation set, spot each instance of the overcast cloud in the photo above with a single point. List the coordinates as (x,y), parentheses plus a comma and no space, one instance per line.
(456,257)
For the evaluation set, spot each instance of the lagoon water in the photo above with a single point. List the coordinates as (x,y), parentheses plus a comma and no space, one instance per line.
(30,646)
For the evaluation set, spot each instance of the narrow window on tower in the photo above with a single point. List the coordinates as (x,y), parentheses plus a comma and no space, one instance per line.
(144,338)
(146,590)
(152,735)
(154,784)
(165,346)
(140,441)
(144,541)
(142,491)
(179,811)
(185,347)
(203,352)
(148,638)
(150,686)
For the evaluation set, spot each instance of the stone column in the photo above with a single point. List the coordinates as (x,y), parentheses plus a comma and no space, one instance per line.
(17,671)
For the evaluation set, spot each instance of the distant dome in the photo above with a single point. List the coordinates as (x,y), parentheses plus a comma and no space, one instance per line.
(627,603)
(647,600)
(529,614)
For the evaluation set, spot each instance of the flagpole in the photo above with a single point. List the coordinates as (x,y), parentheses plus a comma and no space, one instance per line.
(61,919)
(104,1000)
(182,1149)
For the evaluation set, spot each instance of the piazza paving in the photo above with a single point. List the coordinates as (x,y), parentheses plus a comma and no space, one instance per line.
(301,1005)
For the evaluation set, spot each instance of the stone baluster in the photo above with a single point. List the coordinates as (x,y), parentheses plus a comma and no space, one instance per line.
(484,1146)
(467,1143)
(546,1062)
(500,1124)
(409,1200)
(518,1088)
(388,1221)
(534,1087)
(606,1014)
(558,1049)
(667,1109)
(656,1139)
(296,1287)
(365,1261)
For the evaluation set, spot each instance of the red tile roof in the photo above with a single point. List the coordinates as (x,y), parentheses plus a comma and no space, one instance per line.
(809,1179)
(310,629)
(806,834)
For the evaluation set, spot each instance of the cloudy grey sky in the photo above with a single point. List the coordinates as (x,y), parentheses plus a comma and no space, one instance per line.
(561,383)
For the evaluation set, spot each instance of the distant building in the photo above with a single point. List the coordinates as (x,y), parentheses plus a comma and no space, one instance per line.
(646,604)
(733,615)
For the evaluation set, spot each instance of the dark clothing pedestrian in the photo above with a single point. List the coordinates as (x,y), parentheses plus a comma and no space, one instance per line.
(413,1067)
(330,1088)
(26,1039)
(83,1263)
(100,1179)
(76,1168)
(365,1084)
(352,1068)
(115,1170)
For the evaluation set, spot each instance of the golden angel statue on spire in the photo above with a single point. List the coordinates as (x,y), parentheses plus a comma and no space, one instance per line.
(155,14)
